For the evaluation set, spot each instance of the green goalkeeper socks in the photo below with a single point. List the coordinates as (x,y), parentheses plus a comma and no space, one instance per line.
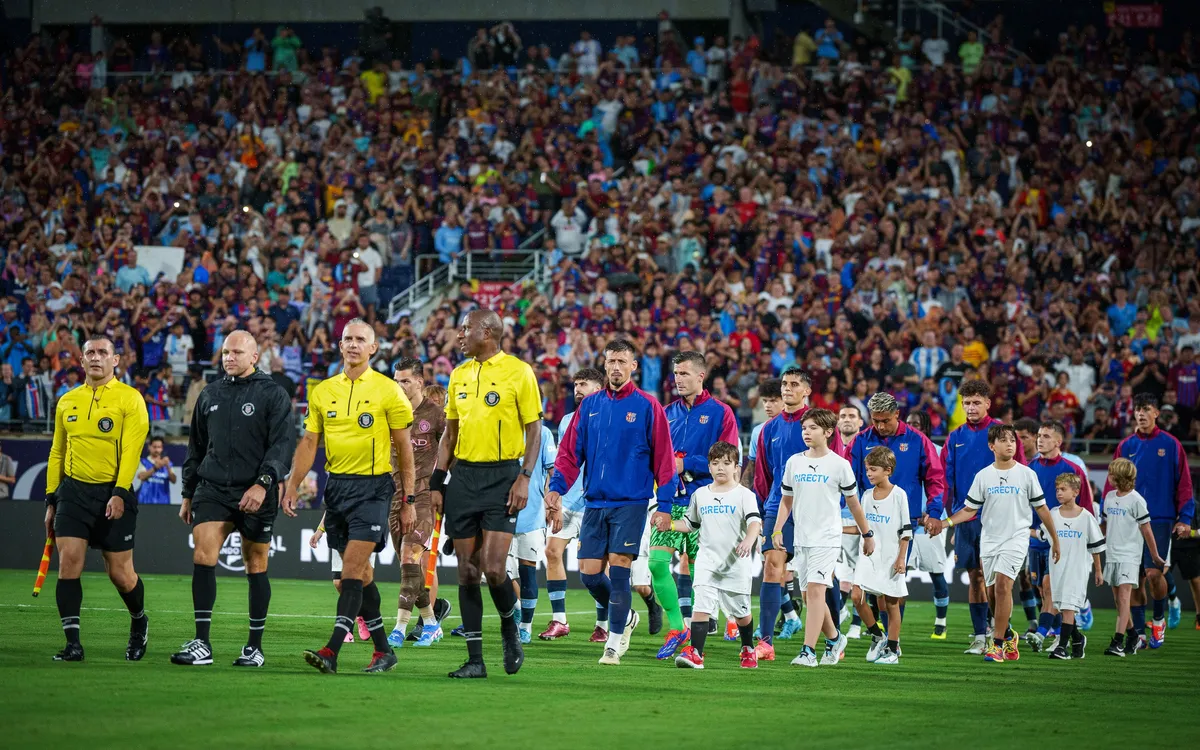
(664,587)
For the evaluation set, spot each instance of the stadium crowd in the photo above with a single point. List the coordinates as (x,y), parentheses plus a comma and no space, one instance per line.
(892,218)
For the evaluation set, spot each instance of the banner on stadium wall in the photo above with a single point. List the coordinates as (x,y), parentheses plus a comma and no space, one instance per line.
(1135,16)
(487,293)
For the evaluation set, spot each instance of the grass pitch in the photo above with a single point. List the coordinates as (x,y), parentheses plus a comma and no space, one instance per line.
(936,697)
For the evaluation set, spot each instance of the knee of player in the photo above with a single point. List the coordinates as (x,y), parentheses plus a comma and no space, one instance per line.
(495,574)
(123,576)
(554,555)
(468,573)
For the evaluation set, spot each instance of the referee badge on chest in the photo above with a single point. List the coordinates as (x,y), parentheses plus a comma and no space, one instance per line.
(365,420)
(248,410)
(631,416)
(492,398)
(105,424)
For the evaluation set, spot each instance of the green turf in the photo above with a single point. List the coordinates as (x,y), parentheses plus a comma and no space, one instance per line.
(562,698)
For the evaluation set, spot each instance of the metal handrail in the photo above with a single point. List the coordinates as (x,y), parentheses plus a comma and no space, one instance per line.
(945,15)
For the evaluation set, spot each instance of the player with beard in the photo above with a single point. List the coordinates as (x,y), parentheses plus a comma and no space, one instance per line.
(588,380)
(413,548)
(621,439)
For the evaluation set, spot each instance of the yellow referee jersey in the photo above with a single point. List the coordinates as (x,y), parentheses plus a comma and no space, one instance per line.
(356,418)
(98,436)
(492,400)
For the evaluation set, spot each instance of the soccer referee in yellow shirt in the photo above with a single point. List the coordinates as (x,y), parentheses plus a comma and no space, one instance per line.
(99,430)
(361,414)
(492,440)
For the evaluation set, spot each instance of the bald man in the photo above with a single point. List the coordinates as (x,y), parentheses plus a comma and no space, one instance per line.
(241,440)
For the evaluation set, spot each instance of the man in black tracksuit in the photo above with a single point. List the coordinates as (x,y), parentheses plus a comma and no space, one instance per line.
(242,440)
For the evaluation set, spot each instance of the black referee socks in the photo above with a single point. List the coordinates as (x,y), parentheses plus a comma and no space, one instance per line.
(204,595)
(505,600)
(348,606)
(260,600)
(135,602)
(371,616)
(68,592)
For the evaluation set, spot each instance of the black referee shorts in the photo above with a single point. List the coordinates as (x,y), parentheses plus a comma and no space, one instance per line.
(213,503)
(477,498)
(356,509)
(1185,559)
(80,514)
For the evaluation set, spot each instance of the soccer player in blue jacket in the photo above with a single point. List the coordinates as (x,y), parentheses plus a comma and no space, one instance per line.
(918,469)
(620,439)
(588,380)
(964,454)
(697,422)
(1163,478)
(780,439)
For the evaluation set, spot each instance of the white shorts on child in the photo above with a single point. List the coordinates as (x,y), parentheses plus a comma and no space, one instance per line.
(1006,562)
(1120,573)
(815,565)
(710,600)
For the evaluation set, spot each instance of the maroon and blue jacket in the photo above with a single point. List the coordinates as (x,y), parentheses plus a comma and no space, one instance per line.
(694,430)
(1163,477)
(622,440)
(918,469)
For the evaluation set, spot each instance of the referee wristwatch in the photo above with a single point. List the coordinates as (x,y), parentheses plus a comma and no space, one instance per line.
(265,481)
(527,473)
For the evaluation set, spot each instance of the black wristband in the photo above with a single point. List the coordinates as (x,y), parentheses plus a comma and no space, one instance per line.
(125,495)
(51,500)
(437,481)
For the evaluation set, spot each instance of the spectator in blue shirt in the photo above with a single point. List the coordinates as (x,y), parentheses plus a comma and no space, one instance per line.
(132,274)
(697,60)
(828,40)
(448,239)
(1121,313)
(156,475)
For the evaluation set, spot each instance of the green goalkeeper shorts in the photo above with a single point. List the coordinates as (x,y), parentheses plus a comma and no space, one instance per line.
(685,544)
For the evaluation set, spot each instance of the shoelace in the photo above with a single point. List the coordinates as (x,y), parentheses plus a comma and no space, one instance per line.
(196,648)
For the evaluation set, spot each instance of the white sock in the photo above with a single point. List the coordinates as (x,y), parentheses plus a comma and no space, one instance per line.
(614,641)
(791,615)
(402,618)
(559,617)
(526,626)
(602,624)
(939,621)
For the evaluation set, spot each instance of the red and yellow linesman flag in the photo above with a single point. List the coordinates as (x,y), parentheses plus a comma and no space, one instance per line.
(44,566)
(431,569)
